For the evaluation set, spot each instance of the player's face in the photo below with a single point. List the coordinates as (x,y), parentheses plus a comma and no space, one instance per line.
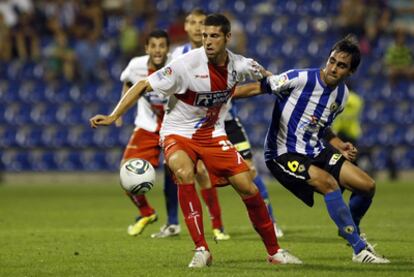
(193,25)
(214,41)
(157,49)
(337,68)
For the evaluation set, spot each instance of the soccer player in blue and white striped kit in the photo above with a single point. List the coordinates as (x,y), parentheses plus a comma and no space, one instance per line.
(305,156)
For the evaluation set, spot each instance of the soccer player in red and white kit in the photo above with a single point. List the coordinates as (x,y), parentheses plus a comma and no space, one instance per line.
(203,81)
(144,141)
(193,25)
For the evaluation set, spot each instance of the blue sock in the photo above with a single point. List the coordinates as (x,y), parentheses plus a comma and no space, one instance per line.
(359,205)
(171,198)
(263,192)
(341,215)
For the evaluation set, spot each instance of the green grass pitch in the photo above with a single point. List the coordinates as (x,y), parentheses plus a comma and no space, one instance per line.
(77,227)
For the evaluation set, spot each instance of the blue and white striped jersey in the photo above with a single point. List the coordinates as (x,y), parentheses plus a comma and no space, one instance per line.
(300,117)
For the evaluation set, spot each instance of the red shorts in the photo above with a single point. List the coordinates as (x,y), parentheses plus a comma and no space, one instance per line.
(144,145)
(218,154)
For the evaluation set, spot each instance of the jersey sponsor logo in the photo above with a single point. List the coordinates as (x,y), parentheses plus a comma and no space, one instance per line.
(155,98)
(334,159)
(311,125)
(301,168)
(293,165)
(201,76)
(212,98)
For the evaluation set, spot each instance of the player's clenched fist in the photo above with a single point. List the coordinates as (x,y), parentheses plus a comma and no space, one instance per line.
(100,119)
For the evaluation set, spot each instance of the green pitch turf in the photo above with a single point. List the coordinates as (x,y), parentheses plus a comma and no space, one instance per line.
(77,227)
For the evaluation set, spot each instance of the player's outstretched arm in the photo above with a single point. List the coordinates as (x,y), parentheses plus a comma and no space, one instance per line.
(126,102)
(247,90)
(125,87)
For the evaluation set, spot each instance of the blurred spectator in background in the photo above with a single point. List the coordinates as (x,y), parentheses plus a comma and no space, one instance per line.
(351,18)
(347,126)
(87,56)
(399,59)
(129,39)
(377,19)
(58,15)
(238,40)
(26,37)
(60,59)
(89,17)
(5,40)
(403,15)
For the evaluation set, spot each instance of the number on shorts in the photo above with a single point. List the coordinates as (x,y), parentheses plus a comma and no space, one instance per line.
(225,145)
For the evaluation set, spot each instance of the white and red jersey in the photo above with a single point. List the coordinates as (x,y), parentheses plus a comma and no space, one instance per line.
(151,107)
(203,91)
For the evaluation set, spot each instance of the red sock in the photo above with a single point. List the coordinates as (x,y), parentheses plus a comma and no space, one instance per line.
(191,207)
(260,218)
(142,204)
(211,199)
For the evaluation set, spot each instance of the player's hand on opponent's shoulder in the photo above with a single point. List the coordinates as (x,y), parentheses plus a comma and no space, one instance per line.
(249,69)
(272,84)
(101,120)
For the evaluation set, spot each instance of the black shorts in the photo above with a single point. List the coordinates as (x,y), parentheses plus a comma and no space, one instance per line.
(237,136)
(291,170)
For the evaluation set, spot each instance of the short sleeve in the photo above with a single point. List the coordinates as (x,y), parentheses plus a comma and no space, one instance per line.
(284,81)
(125,75)
(169,79)
(247,69)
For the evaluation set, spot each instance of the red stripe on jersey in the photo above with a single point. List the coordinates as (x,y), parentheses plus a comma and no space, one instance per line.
(188,97)
(218,82)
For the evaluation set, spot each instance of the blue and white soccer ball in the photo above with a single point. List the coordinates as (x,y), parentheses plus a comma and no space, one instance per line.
(137,176)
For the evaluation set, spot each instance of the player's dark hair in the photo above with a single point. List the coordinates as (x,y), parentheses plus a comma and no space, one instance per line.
(158,33)
(217,19)
(349,45)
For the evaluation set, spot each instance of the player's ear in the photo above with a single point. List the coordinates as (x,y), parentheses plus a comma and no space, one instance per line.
(228,37)
(146,49)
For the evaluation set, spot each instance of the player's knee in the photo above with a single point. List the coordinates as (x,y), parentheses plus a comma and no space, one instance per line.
(370,187)
(326,183)
(250,190)
(252,168)
(184,175)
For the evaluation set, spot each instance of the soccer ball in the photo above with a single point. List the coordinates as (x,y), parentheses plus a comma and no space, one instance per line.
(137,176)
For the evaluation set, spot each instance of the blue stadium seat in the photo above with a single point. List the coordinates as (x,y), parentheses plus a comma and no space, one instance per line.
(17,113)
(80,137)
(69,114)
(42,160)
(29,136)
(55,136)
(15,161)
(93,160)
(43,114)
(68,160)
(8,136)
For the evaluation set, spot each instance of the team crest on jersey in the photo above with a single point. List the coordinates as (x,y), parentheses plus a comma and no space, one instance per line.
(334,107)
(282,80)
(212,98)
(234,75)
